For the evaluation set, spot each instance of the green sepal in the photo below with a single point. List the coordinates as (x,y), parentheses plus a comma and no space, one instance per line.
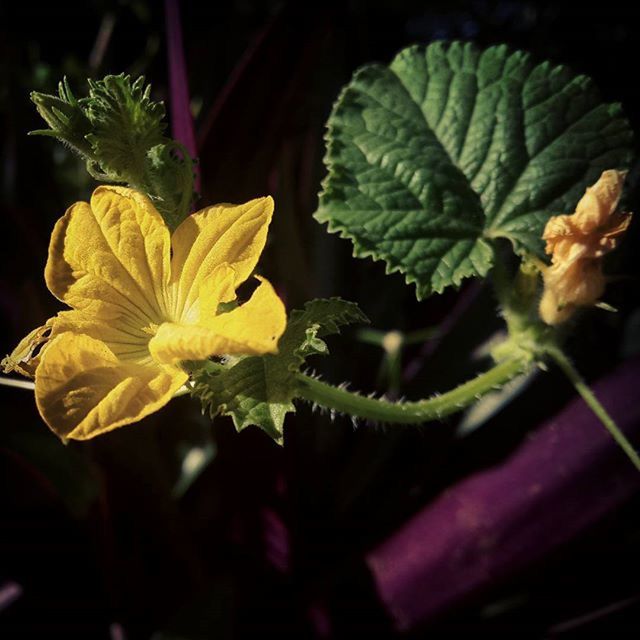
(450,147)
(126,124)
(119,131)
(67,119)
(259,390)
(169,179)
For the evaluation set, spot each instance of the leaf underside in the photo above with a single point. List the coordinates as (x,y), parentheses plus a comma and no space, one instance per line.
(449,147)
(258,390)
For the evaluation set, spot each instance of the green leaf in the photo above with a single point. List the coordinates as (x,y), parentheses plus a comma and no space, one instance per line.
(450,147)
(259,390)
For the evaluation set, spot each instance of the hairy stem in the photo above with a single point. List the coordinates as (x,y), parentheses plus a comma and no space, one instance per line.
(594,404)
(353,404)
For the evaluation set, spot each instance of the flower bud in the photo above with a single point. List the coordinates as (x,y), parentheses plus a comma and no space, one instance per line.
(577,244)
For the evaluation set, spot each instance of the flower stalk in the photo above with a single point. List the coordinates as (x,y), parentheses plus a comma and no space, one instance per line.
(435,408)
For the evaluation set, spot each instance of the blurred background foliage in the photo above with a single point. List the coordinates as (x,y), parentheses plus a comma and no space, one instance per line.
(175,528)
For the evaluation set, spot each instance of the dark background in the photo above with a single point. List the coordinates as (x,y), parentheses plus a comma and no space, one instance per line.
(112,537)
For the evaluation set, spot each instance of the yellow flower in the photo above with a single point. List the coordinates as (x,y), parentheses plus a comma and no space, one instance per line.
(577,244)
(143,301)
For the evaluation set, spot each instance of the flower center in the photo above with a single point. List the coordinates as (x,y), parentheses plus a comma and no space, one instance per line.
(151,329)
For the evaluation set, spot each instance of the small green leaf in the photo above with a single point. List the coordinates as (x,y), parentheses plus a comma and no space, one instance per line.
(259,390)
(449,147)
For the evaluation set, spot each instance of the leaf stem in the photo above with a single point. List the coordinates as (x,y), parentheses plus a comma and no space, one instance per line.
(353,404)
(594,404)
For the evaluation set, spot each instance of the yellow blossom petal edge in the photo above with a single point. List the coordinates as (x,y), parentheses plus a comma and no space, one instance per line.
(231,234)
(577,244)
(111,256)
(142,301)
(84,390)
(252,328)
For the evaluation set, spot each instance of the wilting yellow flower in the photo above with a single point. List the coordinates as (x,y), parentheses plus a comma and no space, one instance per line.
(577,244)
(143,301)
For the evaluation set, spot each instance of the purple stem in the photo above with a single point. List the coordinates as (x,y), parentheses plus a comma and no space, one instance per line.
(182,127)
(276,540)
(9,593)
(561,480)
(116,632)
(238,73)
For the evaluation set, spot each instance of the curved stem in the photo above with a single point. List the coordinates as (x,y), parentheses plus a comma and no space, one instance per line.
(594,404)
(353,404)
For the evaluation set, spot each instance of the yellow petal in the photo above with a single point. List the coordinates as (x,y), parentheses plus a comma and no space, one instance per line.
(551,311)
(253,328)
(568,286)
(618,225)
(83,390)
(599,201)
(235,234)
(126,341)
(111,257)
(557,231)
(219,287)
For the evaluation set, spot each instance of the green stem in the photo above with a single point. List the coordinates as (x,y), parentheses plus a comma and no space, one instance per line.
(353,404)
(594,404)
